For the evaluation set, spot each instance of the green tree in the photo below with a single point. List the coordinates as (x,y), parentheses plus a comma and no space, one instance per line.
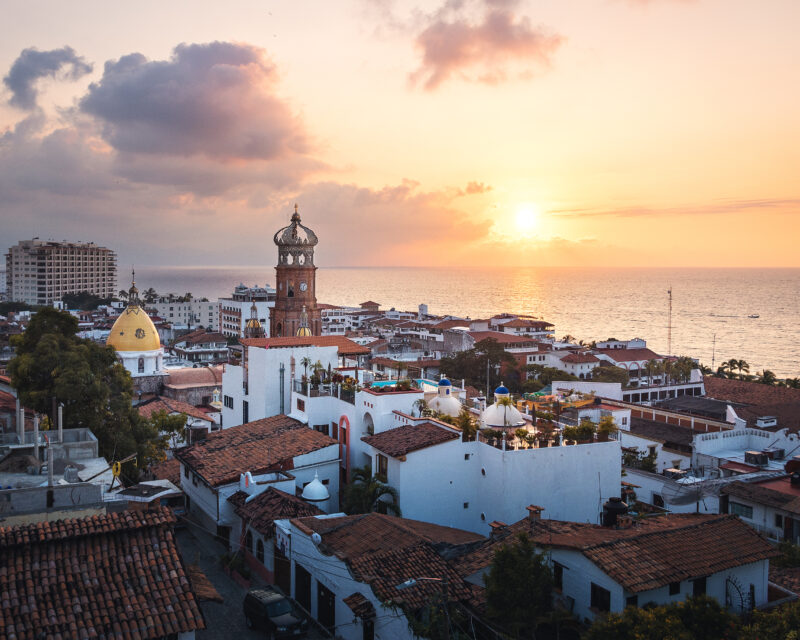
(150,295)
(468,425)
(767,377)
(171,428)
(305,362)
(367,493)
(610,374)
(782,623)
(519,586)
(84,301)
(53,365)
(700,618)
(742,367)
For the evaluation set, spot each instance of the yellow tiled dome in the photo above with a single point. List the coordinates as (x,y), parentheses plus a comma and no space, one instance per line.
(134,331)
(304,331)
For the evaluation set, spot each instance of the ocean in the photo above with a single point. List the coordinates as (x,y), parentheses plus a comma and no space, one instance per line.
(711,308)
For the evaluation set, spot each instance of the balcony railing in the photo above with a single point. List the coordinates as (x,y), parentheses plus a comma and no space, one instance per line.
(322,390)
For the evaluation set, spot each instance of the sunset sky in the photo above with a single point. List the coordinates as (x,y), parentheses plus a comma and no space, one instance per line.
(474,132)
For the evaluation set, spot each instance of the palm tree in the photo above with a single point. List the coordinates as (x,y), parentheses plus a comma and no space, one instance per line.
(793,383)
(767,377)
(730,365)
(306,362)
(150,296)
(568,338)
(123,294)
(468,425)
(741,365)
(366,493)
(723,371)
(706,371)
(505,402)
(421,406)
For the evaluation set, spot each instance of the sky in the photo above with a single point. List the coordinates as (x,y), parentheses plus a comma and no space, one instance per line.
(624,133)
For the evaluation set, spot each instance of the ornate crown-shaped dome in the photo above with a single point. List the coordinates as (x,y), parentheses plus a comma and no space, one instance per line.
(133,330)
(295,235)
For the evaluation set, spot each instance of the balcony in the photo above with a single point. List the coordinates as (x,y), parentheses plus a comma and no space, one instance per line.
(323,390)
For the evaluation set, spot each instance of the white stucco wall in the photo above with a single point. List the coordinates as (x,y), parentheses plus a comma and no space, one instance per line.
(570,482)
(335,576)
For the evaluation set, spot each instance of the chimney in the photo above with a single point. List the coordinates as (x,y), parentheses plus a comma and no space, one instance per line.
(499,529)
(60,423)
(534,512)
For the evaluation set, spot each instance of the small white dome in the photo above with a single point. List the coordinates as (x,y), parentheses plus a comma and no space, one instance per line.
(497,416)
(315,491)
(448,405)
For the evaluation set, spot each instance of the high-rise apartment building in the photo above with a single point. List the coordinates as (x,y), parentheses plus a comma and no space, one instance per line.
(42,271)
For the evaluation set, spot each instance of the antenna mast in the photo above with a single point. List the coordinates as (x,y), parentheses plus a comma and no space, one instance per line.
(669,323)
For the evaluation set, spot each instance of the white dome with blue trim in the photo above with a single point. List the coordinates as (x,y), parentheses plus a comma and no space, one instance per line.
(501,416)
(445,402)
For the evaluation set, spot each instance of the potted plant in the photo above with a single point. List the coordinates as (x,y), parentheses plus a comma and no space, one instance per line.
(570,434)
(606,428)
(585,431)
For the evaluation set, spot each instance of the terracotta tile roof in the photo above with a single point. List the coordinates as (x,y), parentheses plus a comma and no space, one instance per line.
(160,403)
(360,606)
(648,555)
(345,346)
(502,338)
(579,358)
(527,324)
(762,400)
(388,362)
(203,589)
(384,551)
(350,537)
(167,470)
(399,441)
(786,577)
(268,506)
(630,355)
(191,377)
(450,324)
(260,446)
(369,303)
(771,493)
(115,575)
(200,336)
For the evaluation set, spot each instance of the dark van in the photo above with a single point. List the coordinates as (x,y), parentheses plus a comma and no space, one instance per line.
(267,609)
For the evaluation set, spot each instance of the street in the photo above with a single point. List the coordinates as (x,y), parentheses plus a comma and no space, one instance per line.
(226,619)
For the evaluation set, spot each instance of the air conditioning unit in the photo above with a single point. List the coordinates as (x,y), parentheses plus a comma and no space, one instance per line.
(756,457)
(676,474)
(774,453)
(762,422)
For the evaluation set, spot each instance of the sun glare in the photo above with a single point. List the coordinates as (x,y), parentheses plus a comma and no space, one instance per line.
(527,218)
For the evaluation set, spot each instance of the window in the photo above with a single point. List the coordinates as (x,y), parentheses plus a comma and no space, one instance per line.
(699,587)
(228,402)
(322,428)
(632,601)
(625,420)
(248,541)
(466,505)
(674,588)
(141,365)
(466,456)
(335,430)
(185,471)
(601,598)
(742,510)
(778,520)
(245,412)
(382,466)
(260,550)
(558,575)
(301,405)
(658,500)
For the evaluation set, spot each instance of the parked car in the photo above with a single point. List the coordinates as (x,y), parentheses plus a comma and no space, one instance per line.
(268,609)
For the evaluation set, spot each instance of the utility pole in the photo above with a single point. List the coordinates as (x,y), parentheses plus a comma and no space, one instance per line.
(713,352)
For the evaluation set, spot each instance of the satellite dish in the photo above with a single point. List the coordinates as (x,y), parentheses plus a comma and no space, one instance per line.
(316,539)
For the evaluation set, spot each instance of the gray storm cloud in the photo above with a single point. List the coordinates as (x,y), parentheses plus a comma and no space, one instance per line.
(216,100)
(33,65)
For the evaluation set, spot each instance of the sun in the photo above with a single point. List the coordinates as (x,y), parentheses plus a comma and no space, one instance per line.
(527,218)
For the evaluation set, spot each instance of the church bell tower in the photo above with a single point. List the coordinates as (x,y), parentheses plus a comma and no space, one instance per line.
(295,311)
